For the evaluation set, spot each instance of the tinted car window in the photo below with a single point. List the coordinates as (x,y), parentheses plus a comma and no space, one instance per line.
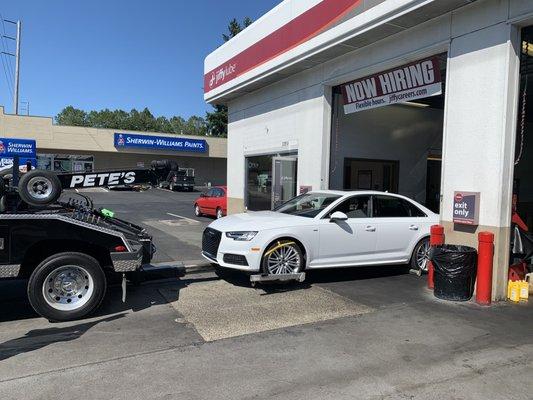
(355,207)
(210,193)
(394,207)
(307,205)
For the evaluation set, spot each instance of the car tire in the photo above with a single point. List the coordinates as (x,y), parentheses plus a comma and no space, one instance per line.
(197,210)
(283,257)
(219,214)
(39,188)
(66,286)
(420,256)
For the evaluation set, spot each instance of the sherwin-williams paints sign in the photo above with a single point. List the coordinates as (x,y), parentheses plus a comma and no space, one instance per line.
(399,85)
(129,140)
(26,149)
(466,208)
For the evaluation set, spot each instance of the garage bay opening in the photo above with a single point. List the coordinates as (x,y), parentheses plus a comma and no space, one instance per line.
(387,131)
(523,173)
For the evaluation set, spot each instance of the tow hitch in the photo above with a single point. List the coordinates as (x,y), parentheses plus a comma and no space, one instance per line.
(298,277)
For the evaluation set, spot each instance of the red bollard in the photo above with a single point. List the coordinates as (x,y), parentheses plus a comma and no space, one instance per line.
(484,268)
(436,238)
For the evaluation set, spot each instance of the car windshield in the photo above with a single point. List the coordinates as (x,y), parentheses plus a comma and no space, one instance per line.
(307,205)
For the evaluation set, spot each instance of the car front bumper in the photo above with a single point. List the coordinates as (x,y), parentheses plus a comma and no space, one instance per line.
(231,253)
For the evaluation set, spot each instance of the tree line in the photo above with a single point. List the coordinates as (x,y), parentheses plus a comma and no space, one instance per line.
(215,123)
(135,120)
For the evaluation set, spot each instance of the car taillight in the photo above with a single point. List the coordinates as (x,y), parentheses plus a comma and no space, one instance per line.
(120,249)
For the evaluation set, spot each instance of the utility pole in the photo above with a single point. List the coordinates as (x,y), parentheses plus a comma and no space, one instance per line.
(17,63)
(17,70)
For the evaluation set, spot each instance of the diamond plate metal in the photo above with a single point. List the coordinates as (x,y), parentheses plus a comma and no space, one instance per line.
(127,265)
(9,271)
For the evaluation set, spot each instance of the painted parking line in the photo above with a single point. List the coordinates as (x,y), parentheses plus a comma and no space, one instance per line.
(182,217)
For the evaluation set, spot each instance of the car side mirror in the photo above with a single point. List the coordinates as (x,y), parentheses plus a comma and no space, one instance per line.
(338,216)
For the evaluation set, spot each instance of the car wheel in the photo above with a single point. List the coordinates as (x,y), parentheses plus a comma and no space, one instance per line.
(219,213)
(197,210)
(39,188)
(283,257)
(420,257)
(66,286)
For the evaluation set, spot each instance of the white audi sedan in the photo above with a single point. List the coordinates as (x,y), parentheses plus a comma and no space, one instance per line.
(323,229)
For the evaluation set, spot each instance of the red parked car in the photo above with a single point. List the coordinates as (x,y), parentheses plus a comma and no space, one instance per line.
(213,202)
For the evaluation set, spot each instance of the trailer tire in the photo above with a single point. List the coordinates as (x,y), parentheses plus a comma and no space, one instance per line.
(66,286)
(39,188)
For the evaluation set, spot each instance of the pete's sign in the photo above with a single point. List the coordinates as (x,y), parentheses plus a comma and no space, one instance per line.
(399,85)
(466,208)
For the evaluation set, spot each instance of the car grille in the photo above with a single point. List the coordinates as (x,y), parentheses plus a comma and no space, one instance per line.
(211,241)
(235,259)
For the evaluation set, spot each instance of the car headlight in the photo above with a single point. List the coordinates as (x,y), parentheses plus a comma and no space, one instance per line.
(244,236)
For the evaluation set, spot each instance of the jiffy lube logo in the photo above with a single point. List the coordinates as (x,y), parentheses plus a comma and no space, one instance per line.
(212,80)
(223,73)
(2,147)
(120,140)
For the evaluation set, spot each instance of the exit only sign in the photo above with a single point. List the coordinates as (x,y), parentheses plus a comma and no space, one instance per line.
(466,208)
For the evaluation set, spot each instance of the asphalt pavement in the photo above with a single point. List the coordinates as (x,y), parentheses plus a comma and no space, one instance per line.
(168,216)
(360,333)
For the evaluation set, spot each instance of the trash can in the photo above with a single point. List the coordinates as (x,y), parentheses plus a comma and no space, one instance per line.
(454,271)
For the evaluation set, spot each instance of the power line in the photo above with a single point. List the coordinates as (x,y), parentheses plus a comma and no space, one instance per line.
(6,64)
(5,46)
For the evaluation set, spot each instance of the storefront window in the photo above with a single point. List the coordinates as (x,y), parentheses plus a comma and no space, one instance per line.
(271,180)
(65,162)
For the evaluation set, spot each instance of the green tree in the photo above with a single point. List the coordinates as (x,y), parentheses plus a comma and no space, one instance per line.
(217,120)
(72,116)
(134,120)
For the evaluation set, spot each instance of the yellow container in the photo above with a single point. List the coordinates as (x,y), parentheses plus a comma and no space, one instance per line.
(523,290)
(513,291)
(529,279)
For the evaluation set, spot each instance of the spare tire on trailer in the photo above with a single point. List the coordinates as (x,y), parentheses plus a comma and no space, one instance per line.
(39,188)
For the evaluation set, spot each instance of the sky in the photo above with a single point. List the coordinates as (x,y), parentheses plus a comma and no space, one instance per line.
(117,54)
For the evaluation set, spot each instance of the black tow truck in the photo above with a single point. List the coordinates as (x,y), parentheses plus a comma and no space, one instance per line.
(65,247)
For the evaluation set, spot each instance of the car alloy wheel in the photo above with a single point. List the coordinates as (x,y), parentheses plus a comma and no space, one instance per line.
(219,213)
(283,258)
(422,255)
(197,211)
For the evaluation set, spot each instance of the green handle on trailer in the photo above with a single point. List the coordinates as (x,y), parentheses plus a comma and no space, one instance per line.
(107,213)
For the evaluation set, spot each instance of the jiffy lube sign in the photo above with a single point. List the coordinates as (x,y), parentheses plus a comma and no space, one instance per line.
(125,140)
(466,208)
(25,149)
(399,85)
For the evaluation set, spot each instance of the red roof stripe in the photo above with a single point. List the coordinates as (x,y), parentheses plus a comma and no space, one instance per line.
(289,36)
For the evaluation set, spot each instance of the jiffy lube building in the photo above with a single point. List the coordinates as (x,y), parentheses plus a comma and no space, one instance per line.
(426,98)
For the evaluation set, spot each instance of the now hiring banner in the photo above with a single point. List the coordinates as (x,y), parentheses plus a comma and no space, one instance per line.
(399,85)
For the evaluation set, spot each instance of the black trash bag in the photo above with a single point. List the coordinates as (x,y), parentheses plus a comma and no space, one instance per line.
(455,269)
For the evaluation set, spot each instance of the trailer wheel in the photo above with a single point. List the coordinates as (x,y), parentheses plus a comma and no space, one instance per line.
(66,286)
(39,188)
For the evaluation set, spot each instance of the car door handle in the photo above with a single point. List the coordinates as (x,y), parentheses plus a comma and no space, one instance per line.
(413,227)
(370,228)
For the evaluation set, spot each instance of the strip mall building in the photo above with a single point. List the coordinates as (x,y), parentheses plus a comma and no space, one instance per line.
(419,97)
(63,148)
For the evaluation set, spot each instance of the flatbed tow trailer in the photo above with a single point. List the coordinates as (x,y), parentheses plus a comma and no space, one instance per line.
(68,249)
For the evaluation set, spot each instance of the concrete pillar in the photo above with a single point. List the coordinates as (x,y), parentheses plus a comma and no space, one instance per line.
(479,136)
